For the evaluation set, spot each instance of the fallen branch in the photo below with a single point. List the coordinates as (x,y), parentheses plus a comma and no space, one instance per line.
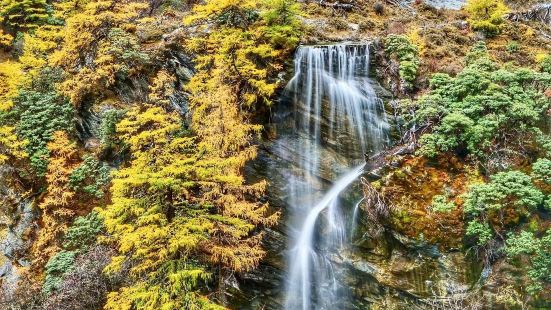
(377,208)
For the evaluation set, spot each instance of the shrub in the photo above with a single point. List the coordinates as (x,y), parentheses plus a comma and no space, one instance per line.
(541,170)
(284,27)
(545,64)
(482,109)
(84,286)
(538,253)
(90,177)
(513,47)
(407,53)
(338,23)
(502,201)
(37,113)
(107,128)
(83,232)
(440,203)
(40,115)
(57,266)
(481,231)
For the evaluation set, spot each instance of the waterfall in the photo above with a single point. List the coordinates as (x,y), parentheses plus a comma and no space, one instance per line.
(336,119)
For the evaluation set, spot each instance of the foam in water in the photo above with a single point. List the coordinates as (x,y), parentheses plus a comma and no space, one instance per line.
(337,119)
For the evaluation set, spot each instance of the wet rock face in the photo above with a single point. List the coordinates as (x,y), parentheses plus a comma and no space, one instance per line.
(388,271)
(17,217)
(385,271)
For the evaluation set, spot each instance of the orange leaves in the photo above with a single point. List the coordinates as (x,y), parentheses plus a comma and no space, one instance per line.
(413,188)
(59,203)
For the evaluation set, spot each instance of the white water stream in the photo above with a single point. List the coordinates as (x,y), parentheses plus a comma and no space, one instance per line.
(338,118)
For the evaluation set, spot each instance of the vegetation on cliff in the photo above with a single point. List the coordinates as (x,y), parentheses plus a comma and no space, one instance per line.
(129,125)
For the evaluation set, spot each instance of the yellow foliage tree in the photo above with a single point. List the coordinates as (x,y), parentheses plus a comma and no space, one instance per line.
(11,76)
(11,147)
(38,46)
(58,205)
(102,32)
(174,211)
(5,38)
(241,52)
(161,88)
(486,15)
(234,73)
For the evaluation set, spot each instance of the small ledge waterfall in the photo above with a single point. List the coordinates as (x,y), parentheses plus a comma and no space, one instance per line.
(336,119)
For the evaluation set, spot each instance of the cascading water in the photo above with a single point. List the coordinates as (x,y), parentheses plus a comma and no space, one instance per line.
(337,119)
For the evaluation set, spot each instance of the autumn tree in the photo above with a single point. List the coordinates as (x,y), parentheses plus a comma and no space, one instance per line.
(58,205)
(103,31)
(245,50)
(234,75)
(176,211)
(72,189)
(486,15)
(11,146)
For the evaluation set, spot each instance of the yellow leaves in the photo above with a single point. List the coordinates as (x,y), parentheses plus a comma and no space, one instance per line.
(97,33)
(10,145)
(241,256)
(219,124)
(11,76)
(119,300)
(190,233)
(177,294)
(37,46)
(145,128)
(178,200)
(66,8)
(486,9)
(540,57)
(161,88)
(414,36)
(486,15)
(238,58)
(182,279)
(215,8)
(181,199)
(5,38)
(136,217)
